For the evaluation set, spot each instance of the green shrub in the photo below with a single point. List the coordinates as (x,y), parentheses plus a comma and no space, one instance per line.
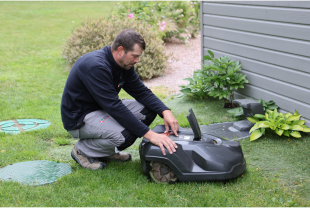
(97,33)
(217,78)
(222,77)
(282,124)
(181,18)
(195,89)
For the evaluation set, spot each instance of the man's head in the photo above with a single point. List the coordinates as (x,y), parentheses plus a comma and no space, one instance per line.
(127,47)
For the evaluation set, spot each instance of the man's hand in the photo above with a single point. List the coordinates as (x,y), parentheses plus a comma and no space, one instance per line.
(162,141)
(170,120)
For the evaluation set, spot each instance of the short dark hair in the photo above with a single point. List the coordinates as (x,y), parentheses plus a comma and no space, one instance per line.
(128,38)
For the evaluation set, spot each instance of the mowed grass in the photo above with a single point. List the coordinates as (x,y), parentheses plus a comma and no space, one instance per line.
(32,77)
(285,159)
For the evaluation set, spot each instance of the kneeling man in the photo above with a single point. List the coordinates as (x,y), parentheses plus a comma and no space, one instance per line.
(92,112)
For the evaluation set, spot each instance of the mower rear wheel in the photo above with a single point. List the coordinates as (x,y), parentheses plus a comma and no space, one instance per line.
(162,173)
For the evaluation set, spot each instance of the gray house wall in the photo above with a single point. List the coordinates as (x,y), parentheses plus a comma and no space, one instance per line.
(271,39)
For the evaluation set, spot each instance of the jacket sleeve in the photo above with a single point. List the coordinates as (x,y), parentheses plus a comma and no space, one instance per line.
(99,82)
(135,87)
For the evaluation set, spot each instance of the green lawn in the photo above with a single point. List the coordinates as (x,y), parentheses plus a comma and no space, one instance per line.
(32,77)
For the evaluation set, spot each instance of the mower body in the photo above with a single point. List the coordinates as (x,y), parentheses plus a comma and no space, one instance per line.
(198,157)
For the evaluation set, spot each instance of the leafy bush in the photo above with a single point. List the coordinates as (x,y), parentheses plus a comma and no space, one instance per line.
(94,34)
(221,77)
(180,19)
(238,112)
(217,78)
(196,88)
(282,124)
(270,105)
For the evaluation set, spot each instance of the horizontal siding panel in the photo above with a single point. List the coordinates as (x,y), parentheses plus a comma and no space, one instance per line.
(241,96)
(282,101)
(287,30)
(264,41)
(267,56)
(296,4)
(278,87)
(292,15)
(270,70)
(271,39)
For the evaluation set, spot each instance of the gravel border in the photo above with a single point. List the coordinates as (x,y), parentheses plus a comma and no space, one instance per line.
(186,59)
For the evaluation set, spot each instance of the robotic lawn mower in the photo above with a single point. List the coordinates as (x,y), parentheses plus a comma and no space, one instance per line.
(199,157)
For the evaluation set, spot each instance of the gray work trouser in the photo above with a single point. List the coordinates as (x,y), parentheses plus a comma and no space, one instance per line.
(102,134)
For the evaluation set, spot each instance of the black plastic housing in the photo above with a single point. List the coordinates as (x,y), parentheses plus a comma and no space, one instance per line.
(196,159)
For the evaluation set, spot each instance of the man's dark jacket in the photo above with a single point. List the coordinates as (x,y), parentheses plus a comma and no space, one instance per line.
(94,83)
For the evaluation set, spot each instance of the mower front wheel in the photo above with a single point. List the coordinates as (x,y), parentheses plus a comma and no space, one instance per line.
(162,173)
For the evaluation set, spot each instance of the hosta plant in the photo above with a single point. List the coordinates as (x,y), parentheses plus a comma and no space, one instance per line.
(221,77)
(195,89)
(270,105)
(282,124)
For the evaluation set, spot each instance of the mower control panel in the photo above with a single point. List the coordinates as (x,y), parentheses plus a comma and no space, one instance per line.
(182,137)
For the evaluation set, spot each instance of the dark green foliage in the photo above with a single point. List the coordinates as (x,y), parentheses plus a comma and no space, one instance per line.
(97,33)
(270,105)
(195,89)
(217,78)
(221,77)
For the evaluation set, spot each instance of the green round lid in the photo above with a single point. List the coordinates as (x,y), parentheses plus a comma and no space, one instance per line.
(38,172)
(21,125)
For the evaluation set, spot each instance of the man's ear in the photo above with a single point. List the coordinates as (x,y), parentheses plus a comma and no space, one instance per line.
(120,51)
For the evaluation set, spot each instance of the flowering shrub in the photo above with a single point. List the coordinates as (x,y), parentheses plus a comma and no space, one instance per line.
(95,34)
(130,16)
(162,25)
(180,19)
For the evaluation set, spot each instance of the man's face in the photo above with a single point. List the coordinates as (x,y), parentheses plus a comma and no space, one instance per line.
(130,58)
